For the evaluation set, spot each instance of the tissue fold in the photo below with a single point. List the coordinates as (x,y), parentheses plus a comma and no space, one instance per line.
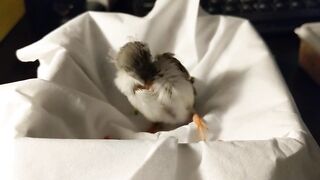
(52,127)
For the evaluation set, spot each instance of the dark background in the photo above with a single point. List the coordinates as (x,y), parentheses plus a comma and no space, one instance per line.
(43,16)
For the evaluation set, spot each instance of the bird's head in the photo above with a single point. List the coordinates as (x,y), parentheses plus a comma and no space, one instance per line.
(135,59)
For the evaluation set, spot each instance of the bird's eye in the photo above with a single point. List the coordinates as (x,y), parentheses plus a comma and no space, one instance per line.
(138,64)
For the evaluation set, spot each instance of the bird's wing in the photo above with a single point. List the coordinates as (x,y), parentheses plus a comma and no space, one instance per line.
(176,80)
(170,57)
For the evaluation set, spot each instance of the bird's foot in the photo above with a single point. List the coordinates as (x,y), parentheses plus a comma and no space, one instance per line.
(201,126)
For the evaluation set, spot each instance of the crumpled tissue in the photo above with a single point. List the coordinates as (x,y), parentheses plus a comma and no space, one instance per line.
(52,127)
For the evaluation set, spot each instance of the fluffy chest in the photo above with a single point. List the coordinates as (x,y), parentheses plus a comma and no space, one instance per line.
(169,99)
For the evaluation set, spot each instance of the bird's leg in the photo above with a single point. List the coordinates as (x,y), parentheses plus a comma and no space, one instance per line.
(201,126)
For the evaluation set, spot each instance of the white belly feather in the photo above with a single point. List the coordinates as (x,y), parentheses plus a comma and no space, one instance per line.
(169,100)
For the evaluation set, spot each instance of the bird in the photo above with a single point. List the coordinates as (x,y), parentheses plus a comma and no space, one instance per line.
(159,87)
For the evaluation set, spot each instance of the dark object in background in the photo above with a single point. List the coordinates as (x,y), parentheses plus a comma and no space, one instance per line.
(42,16)
(95,6)
(309,59)
(46,15)
(268,16)
(11,69)
(136,7)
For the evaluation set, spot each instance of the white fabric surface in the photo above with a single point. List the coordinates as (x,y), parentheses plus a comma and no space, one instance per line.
(52,127)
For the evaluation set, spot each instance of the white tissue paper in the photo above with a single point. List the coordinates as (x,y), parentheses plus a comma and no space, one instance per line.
(53,127)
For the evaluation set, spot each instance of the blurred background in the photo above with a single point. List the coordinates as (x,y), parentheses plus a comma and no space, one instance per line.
(23,22)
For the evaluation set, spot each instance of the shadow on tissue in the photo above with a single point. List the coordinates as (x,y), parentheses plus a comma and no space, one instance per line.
(217,96)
